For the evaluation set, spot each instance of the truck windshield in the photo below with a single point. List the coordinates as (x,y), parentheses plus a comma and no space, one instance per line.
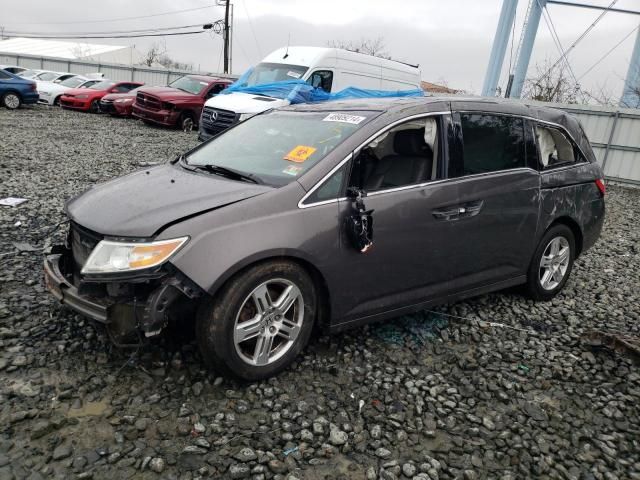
(276,148)
(274,72)
(189,85)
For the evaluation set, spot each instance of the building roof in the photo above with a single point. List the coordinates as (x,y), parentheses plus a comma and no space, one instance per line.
(55,48)
(435,88)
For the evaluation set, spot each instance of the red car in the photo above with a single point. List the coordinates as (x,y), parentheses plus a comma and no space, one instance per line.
(88,99)
(119,104)
(178,104)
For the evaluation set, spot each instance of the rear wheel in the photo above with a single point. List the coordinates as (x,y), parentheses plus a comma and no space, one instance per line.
(551,264)
(95,106)
(260,321)
(56,101)
(11,100)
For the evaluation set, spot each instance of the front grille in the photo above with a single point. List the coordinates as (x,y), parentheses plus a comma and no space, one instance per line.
(82,243)
(148,101)
(223,120)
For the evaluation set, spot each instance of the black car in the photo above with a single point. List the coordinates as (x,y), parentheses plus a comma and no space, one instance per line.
(334,214)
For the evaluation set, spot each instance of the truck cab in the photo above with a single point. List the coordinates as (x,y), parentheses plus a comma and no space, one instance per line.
(332,69)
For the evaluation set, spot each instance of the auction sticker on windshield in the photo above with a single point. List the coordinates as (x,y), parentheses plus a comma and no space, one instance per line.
(300,153)
(344,118)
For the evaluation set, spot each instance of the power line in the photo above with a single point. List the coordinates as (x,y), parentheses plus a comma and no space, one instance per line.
(253,32)
(121,19)
(579,39)
(87,37)
(110,32)
(608,52)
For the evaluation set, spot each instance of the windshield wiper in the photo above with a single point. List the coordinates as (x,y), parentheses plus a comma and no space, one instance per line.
(228,172)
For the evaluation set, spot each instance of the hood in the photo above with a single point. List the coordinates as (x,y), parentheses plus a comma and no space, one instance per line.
(142,203)
(168,93)
(115,96)
(84,91)
(244,103)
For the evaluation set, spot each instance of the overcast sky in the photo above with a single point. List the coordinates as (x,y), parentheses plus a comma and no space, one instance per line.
(450,39)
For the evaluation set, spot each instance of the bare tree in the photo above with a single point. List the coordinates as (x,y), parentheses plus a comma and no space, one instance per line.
(82,52)
(369,46)
(551,84)
(154,53)
(168,62)
(635,91)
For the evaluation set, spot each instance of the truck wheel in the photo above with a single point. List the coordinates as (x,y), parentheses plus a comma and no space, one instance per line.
(186,122)
(260,321)
(11,100)
(551,263)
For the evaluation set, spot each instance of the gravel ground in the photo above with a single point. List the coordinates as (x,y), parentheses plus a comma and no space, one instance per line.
(425,397)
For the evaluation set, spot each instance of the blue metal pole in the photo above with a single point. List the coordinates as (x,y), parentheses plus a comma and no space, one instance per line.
(528,39)
(631,93)
(500,43)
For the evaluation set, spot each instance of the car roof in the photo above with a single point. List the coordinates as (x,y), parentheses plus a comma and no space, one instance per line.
(416,105)
(206,78)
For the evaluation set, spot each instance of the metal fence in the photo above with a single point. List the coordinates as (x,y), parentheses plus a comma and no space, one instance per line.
(133,73)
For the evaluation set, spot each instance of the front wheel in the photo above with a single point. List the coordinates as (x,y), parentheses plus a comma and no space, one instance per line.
(12,101)
(260,322)
(551,264)
(186,122)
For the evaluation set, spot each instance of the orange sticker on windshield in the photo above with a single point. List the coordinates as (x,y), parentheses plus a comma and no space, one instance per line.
(299,154)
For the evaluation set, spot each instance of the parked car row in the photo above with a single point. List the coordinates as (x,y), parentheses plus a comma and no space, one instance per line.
(178,104)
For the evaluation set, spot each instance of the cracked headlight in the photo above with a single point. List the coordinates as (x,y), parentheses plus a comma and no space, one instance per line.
(111,257)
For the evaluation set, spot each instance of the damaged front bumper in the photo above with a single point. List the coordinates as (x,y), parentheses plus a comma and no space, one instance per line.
(131,307)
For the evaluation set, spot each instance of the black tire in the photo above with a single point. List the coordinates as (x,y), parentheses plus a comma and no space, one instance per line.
(11,100)
(534,286)
(95,106)
(56,101)
(216,321)
(186,122)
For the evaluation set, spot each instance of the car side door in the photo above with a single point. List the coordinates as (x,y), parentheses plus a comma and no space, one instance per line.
(496,200)
(401,171)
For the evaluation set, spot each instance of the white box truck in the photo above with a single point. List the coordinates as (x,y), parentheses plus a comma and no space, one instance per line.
(332,69)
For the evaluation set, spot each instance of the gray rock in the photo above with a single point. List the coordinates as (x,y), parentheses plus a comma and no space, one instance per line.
(245,455)
(157,464)
(62,451)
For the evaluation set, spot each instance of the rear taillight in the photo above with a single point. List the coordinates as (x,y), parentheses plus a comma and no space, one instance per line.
(34,87)
(601,186)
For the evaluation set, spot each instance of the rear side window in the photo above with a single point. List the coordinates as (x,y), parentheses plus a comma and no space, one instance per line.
(555,147)
(4,75)
(492,143)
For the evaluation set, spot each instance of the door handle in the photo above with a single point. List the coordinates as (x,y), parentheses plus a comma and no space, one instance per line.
(468,209)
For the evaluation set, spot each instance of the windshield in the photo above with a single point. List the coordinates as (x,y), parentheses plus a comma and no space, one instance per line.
(274,72)
(28,73)
(277,147)
(47,76)
(73,82)
(102,85)
(189,85)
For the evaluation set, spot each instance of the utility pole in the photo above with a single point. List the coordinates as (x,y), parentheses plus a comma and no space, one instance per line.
(227,66)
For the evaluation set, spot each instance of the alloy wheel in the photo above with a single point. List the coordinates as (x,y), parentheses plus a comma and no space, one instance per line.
(12,101)
(554,263)
(268,322)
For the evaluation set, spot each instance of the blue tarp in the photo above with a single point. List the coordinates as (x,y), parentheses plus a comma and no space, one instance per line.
(299,91)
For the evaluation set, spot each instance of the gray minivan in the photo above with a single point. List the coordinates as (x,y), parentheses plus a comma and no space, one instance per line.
(332,214)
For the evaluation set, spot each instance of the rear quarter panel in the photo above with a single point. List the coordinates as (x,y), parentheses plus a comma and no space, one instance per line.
(571,192)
